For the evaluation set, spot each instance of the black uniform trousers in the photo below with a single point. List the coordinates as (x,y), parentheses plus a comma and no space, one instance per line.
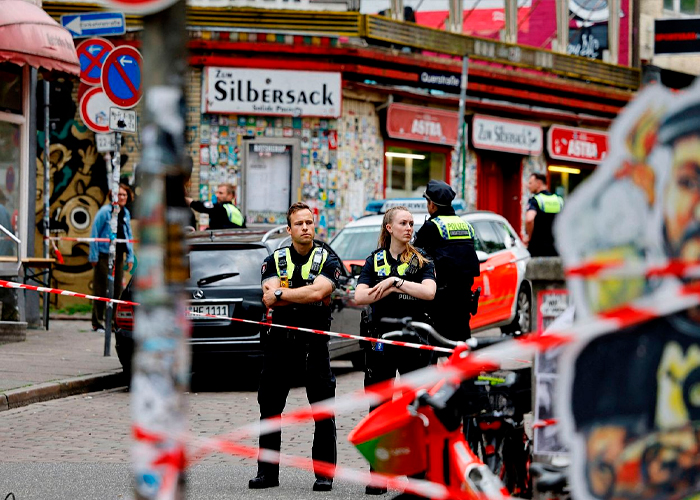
(450,312)
(383,365)
(287,355)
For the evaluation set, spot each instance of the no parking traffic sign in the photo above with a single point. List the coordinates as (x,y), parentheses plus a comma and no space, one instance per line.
(121,76)
(92,54)
(94,110)
(140,6)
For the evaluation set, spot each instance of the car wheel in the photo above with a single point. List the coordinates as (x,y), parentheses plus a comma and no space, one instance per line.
(521,322)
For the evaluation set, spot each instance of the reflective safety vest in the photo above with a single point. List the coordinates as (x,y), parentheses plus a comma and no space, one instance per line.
(309,271)
(452,227)
(549,203)
(234,215)
(383,269)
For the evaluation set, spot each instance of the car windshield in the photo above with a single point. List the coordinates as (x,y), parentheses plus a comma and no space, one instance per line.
(356,243)
(234,265)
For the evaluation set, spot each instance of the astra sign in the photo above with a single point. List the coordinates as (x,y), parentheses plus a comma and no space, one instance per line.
(417,123)
(271,92)
(577,144)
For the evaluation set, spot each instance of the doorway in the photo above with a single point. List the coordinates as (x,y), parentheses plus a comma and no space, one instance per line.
(270,179)
(499,185)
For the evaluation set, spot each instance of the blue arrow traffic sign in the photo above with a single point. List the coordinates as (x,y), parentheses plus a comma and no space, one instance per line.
(94,24)
(121,76)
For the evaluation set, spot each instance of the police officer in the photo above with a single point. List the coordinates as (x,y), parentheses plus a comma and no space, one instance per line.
(542,208)
(398,281)
(449,241)
(223,214)
(297,282)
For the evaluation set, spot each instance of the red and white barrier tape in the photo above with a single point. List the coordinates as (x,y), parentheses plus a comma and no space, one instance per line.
(623,269)
(89,240)
(538,424)
(58,291)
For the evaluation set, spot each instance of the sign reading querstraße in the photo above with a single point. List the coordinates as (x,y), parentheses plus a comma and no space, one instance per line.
(677,36)
(271,92)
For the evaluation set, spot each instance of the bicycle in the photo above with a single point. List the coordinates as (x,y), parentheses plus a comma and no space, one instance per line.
(421,432)
(550,482)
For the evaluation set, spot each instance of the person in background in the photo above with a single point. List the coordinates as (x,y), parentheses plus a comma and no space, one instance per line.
(223,214)
(542,209)
(449,242)
(396,281)
(99,253)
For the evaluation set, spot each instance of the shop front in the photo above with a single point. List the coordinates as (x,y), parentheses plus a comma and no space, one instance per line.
(418,148)
(573,154)
(501,146)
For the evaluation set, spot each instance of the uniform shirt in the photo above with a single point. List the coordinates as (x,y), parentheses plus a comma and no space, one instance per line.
(456,262)
(542,240)
(218,217)
(396,305)
(304,315)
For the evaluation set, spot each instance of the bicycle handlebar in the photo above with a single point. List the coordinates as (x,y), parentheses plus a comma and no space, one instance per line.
(410,327)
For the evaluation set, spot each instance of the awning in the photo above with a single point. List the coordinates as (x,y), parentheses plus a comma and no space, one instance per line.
(28,35)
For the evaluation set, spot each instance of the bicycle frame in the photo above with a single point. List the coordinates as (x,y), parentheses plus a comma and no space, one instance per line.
(407,436)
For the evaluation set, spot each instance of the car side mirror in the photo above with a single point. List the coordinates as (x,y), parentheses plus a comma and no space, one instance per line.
(482,256)
(355,269)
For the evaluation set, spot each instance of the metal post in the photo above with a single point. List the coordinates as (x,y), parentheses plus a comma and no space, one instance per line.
(614,31)
(47,194)
(116,173)
(511,29)
(562,9)
(460,123)
(161,362)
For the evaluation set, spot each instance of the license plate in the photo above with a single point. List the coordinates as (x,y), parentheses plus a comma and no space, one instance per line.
(215,309)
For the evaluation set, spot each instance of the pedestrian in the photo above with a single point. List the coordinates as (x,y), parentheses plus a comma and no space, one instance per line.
(297,282)
(99,253)
(542,208)
(397,281)
(223,214)
(449,241)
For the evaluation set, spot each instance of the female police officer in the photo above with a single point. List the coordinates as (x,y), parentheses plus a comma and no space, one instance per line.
(397,281)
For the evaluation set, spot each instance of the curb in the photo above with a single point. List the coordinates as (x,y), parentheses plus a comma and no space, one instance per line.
(47,391)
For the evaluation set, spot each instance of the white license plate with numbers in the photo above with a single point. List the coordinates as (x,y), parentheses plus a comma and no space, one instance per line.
(214,309)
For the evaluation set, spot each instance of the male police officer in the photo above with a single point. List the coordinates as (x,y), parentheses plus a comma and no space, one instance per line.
(223,214)
(449,241)
(297,282)
(541,210)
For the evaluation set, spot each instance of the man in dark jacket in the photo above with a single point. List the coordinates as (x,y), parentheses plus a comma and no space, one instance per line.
(449,242)
(542,209)
(223,214)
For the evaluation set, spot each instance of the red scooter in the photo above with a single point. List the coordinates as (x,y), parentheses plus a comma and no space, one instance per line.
(421,432)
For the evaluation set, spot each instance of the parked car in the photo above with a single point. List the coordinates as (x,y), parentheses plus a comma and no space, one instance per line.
(225,281)
(506,296)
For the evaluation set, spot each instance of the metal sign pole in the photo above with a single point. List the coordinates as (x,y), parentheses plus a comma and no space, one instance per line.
(116,167)
(161,363)
(47,193)
(457,151)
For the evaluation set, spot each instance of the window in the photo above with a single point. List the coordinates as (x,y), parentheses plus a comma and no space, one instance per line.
(214,260)
(9,185)
(506,235)
(11,85)
(487,239)
(689,7)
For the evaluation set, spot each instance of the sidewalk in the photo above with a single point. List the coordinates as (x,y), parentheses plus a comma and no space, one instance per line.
(68,359)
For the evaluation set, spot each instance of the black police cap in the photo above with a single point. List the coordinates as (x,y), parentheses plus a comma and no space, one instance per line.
(685,121)
(439,193)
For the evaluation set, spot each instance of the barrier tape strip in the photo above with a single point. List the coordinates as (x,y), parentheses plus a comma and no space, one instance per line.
(621,268)
(89,240)
(58,291)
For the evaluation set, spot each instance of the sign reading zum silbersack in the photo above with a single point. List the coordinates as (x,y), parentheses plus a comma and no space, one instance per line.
(271,92)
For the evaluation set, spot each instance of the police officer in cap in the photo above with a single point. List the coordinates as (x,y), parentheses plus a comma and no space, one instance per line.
(297,282)
(542,209)
(449,241)
(223,214)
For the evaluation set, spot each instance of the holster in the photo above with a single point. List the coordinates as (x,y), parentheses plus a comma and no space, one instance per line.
(367,328)
(474,306)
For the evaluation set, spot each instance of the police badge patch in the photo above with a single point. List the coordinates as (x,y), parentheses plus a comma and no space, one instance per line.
(264,267)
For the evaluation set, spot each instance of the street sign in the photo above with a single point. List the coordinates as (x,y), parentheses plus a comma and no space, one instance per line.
(121,76)
(94,110)
(122,120)
(92,54)
(106,143)
(141,7)
(94,24)
(677,36)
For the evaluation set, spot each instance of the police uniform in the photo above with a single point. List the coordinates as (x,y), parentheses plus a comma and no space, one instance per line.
(382,361)
(547,206)
(221,215)
(288,354)
(449,241)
